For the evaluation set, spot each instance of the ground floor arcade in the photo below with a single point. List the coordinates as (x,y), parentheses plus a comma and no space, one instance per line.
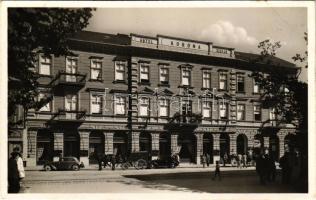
(44,144)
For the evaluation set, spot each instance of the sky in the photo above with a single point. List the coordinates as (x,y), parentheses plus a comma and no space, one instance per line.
(240,28)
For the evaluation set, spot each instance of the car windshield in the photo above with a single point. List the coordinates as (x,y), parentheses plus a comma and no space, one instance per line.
(69,159)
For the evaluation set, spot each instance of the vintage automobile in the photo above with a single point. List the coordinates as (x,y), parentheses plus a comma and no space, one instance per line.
(65,163)
(169,162)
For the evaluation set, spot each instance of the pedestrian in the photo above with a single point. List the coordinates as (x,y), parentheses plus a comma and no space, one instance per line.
(98,158)
(203,160)
(113,162)
(208,160)
(13,174)
(244,160)
(105,160)
(217,171)
(260,168)
(225,159)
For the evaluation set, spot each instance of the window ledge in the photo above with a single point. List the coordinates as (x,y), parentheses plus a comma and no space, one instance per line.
(240,92)
(119,81)
(163,117)
(120,115)
(185,86)
(222,90)
(44,75)
(96,80)
(206,88)
(144,83)
(163,85)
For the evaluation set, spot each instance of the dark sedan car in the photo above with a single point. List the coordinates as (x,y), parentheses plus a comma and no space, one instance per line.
(65,163)
(169,162)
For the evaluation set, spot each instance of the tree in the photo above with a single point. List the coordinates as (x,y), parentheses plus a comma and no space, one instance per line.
(31,30)
(283,91)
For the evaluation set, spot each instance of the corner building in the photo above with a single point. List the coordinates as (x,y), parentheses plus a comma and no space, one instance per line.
(120,94)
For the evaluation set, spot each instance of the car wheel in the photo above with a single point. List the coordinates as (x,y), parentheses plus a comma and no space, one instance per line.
(47,168)
(125,166)
(75,167)
(141,164)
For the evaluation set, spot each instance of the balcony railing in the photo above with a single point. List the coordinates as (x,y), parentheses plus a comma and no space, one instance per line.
(72,79)
(69,115)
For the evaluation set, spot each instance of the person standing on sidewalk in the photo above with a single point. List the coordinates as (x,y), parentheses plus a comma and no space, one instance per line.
(217,171)
(203,160)
(113,162)
(13,174)
(208,160)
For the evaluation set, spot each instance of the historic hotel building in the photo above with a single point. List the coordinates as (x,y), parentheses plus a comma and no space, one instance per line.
(120,94)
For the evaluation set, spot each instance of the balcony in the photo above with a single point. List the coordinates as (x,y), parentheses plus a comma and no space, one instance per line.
(69,116)
(65,81)
(189,120)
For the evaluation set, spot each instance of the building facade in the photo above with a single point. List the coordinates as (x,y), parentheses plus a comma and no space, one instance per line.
(119,94)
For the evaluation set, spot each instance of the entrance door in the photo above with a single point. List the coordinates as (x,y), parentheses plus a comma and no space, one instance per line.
(188,148)
(242,144)
(120,144)
(96,146)
(224,145)
(71,145)
(71,68)
(44,147)
(208,146)
(71,105)
(274,147)
(164,146)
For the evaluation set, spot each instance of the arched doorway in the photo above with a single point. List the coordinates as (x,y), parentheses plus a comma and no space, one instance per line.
(224,145)
(289,143)
(242,144)
(208,145)
(187,143)
(274,149)
(44,147)
(96,145)
(71,144)
(120,144)
(145,141)
(164,146)
(258,144)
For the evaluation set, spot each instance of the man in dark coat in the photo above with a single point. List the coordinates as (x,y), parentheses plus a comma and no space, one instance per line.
(113,162)
(260,164)
(13,174)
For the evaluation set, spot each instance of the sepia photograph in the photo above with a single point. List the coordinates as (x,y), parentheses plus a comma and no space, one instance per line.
(161,99)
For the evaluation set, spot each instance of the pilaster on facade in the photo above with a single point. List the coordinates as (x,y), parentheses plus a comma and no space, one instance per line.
(174,143)
(84,147)
(233,143)
(266,142)
(108,142)
(155,141)
(135,141)
(133,83)
(32,146)
(232,91)
(58,145)
(199,147)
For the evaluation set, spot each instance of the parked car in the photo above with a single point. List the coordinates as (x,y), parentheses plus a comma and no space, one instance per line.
(169,162)
(65,163)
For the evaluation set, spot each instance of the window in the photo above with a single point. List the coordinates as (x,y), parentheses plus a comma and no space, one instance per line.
(256,87)
(119,70)
(240,83)
(186,77)
(96,69)
(223,81)
(143,107)
(240,112)
(46,107)
(71,68)
(71,103)
(223,110)
(120,105)
(163,107)
(164,75)
(96,103)
(206,79)
(257,112)
(45,64)
(272,114)
(144,73)
(206,109)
